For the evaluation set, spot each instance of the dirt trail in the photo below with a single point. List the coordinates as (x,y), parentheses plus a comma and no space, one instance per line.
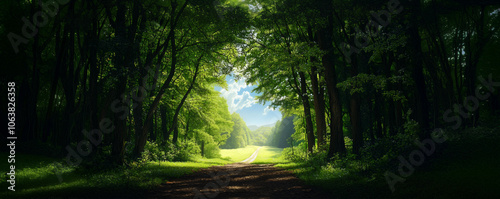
(252,157)
(238,180)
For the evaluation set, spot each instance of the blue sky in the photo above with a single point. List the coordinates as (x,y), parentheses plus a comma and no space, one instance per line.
(241,99)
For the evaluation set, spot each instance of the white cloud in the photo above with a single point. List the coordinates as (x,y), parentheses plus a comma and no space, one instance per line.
(236,101)
(267,109)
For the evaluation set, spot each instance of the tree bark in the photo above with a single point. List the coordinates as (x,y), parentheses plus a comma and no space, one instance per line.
(163,116)
(421,101)
(319,107)
(123,61)
(318,95)
(307,112)
(175,125)
(324,36)
(357,134)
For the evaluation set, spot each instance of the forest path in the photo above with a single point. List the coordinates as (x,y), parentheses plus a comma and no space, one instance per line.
(252,157)
(238,180)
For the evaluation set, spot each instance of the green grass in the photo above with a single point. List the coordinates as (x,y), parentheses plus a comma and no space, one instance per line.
(461,170)
(35,178)
(464,169)
(239,154)
(269,155)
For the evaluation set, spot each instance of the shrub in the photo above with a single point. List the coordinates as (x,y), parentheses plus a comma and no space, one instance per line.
(348,144)
(389,147)
(212,151)
(295,154)
(152,152)
(182,151)
(317,160)
(185,150)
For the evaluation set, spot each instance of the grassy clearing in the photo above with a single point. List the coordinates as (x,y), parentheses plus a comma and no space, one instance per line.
(238,155)
(269,155)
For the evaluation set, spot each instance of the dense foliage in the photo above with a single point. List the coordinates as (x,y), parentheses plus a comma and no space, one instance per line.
(239,136)
(143,70)
(362,74)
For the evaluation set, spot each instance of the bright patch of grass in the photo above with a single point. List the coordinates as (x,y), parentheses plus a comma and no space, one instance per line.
(269,155)
(239,154)
(212,161)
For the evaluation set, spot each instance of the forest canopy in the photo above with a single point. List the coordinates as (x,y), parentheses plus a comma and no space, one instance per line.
(120,81)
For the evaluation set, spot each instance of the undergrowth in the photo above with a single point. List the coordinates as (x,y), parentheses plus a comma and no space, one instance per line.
(345,175)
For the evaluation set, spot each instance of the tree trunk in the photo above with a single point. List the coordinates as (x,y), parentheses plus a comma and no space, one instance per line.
(202,148)
(421,101)
(187,129)
(307,113)
(163,116)
(319,106)
(357,134)
(120,61)
(175,128)
(175,125)
(324,36)
(118,148)
(318,95)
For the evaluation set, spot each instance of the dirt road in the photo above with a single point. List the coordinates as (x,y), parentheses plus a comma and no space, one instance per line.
(238,180)
(252,157)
